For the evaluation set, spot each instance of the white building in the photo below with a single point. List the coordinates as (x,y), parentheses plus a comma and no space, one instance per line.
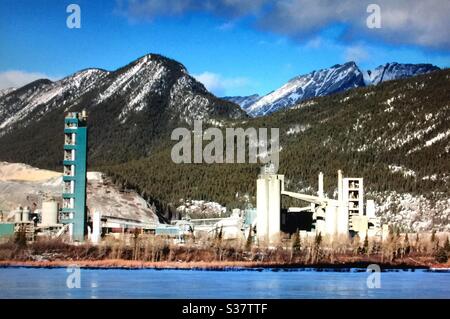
(342,216)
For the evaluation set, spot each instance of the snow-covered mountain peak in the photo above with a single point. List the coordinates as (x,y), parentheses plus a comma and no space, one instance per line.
(243,101)
(150,82)
(394,71)
(44,95)
(154,76)
(150,59)
(317,83)
(83,79)
(338,78)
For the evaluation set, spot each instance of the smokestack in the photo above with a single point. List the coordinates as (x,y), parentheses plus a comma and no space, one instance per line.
(340,195)
(320,188)
(370,208)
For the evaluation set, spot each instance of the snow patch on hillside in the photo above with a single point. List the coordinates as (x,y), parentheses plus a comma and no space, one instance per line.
(412,212)
(201,208)
(403,170)
(298,128)
(437,138)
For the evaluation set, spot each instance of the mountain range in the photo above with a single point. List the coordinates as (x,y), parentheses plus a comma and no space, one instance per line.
(131,107)
(337,78)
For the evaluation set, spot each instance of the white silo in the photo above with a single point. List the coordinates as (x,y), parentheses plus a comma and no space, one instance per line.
(268,206)
(18,215)
(49,213)
(320,183)
(26,214)
(370,208)
(274,214)
(262,208)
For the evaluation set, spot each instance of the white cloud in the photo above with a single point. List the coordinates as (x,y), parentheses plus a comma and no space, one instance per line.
(16,78)
(220,85)
(417,22)
(149,9)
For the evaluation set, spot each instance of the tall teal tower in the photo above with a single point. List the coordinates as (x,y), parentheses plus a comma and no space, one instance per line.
(73,211)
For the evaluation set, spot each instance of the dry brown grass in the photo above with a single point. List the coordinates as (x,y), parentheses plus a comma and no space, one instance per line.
(137,251)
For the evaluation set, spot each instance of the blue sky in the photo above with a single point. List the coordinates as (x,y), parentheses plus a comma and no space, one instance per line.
(234,47)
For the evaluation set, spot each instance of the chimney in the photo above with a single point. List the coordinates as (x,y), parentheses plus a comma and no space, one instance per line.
(340,194)
(320,188)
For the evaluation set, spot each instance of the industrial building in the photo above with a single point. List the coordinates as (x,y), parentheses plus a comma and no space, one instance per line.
(56,218)
(33,222)
(73,212)
(346,215)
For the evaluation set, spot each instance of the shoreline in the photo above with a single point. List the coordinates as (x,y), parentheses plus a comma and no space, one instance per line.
(218,266)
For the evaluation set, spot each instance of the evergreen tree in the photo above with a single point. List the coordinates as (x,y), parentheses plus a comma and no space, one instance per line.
(447,245)
(391,233)
(318,239)
(366,245)
(441,255)
(435,246)
(296,244)
(248,244)
(433,236)
(407,246)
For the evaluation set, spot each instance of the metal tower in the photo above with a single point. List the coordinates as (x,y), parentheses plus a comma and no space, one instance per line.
(75,159)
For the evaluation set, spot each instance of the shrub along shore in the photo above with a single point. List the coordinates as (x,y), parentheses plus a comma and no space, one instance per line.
(147,251)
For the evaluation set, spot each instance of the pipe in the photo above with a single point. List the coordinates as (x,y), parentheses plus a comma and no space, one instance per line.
(320,188)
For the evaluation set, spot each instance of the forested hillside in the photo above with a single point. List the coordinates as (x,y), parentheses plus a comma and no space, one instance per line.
(395,135)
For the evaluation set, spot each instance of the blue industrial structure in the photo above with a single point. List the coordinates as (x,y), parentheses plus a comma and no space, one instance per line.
(73,211)
(249,216)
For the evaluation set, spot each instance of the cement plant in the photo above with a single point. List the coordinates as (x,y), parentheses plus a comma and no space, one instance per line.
(72,219)
(258,150)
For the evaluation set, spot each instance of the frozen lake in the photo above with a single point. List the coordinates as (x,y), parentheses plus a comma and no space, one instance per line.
(149,283)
